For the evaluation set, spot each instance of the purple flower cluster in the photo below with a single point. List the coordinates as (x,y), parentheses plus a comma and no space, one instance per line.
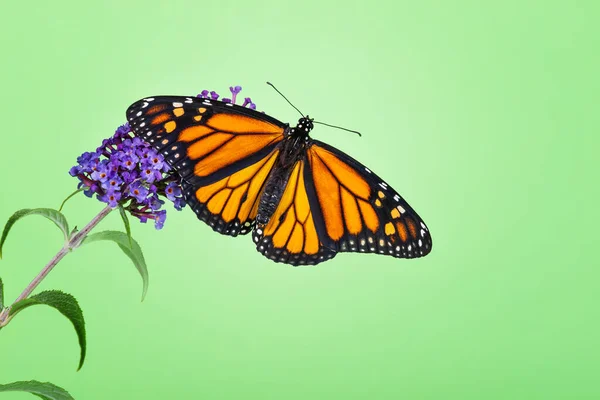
(126,171)
(205,94)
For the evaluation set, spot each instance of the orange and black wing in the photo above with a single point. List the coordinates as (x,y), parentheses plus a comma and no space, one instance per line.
(291,234)
(356,211)
(223,153)
(332,203)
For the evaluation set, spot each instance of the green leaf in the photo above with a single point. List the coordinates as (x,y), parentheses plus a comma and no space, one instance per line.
(66,305)
(52,215)
(126,223)
(1,295)
(68,197)
(44,390)
(134,252)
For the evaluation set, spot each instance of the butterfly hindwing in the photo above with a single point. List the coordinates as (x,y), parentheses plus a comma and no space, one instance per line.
(230,204)
(291,234)
(359,211)
(222,152)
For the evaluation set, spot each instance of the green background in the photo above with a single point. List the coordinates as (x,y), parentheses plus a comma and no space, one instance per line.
(483,115)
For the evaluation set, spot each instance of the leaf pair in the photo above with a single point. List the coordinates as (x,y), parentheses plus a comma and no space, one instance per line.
(126,243)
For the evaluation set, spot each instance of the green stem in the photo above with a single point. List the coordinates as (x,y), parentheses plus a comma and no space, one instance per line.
(72,244)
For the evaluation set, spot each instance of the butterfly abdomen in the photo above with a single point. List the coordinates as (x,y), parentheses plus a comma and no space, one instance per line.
(271,196)
(291,151)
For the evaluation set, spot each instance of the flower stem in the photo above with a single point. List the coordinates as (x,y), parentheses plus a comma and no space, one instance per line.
(72,244)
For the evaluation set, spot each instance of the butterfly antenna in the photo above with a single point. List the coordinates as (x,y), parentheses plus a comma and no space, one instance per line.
(338,127)
(296,108)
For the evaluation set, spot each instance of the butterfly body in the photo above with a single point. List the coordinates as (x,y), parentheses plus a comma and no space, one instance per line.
(304,201)
(292,150)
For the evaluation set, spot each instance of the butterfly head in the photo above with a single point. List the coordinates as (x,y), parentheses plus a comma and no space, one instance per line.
(305,125)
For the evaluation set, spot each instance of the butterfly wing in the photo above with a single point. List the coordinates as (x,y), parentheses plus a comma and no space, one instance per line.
(332,203)
(357,211)
(291,235)
(223,153)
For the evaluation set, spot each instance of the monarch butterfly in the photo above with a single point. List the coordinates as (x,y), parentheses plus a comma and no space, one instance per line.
(303,200)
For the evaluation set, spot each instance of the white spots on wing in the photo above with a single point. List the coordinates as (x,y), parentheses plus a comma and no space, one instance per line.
(423,225)
(368,170)
(145,104)
(383,185)
(177,104)
(409,248)
(139,113)
(149,99)
(420,243)
(188,100)
(143,124)
(422,232)
(396,197)
(259,231)
(397,248)
(229,104)
(256,239)
(401,209)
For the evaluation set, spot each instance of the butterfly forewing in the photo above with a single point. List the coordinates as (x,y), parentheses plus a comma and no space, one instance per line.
(359,211)
(222,152)
(204,139)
